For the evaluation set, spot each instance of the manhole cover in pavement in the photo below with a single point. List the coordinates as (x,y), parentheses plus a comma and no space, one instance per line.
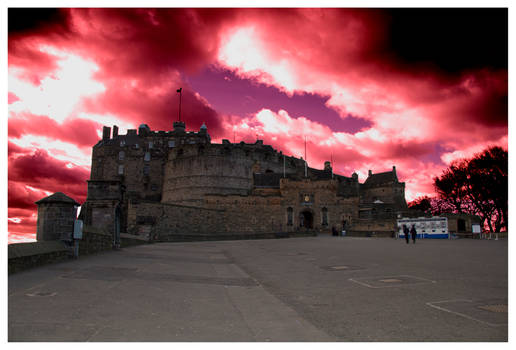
(41,294)
(494,308)
(341,268)
(391,280)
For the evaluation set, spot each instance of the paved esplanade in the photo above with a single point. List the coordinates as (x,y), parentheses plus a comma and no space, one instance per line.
(302,289)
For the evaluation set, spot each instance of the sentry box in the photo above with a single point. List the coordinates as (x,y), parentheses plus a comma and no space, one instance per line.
(434,227)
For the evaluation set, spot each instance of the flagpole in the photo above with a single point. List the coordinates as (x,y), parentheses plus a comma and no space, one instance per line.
(306,164)
(283,166)
(180,94)
(305,148)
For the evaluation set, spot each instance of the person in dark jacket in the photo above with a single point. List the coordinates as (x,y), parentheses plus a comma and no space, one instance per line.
(406,233)
(413,232)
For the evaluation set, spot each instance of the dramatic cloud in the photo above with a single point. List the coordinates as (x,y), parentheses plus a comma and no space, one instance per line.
(83,133)
(369,88)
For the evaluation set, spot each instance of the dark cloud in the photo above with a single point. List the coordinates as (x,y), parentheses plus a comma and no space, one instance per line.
(41,171)
(21,197)
(32,20)
(80,132)
(14,149)
(140,54)
(159,111)
(452,39)
(150,42)
(27,28)
(412,149)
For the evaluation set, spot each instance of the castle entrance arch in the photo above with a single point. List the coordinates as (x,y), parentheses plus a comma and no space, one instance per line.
(306,219)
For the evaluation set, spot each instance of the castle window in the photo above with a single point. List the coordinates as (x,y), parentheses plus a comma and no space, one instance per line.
(324,217)
(171,143)
(136,146)
(150,144)
(121,155)
(154,187)
(145,170)
(122,143)
(120,170)
(146,157)
(290,212)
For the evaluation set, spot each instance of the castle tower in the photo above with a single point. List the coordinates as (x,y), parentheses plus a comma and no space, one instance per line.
(179,127)
(56,215)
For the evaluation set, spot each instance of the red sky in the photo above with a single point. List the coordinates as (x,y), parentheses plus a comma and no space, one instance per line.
(415,88)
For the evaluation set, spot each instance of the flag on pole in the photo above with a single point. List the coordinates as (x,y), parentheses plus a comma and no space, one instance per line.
(179,90)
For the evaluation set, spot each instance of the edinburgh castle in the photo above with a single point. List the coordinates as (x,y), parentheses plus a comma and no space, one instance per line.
(158,184)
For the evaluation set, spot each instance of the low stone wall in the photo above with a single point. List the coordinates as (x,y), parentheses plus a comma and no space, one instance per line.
(24,256)
(95,240)
(231,236)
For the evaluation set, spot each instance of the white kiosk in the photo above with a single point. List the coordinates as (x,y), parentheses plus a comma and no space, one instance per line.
(434,227)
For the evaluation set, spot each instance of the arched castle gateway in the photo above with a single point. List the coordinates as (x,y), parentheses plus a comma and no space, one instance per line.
(177,182)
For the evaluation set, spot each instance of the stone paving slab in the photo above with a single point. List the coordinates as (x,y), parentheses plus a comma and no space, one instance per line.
(303,289)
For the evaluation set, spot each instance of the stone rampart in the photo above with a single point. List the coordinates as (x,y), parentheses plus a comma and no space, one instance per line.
(22,256)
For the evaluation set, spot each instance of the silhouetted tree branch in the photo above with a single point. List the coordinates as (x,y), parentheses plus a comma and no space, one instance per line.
(478,186)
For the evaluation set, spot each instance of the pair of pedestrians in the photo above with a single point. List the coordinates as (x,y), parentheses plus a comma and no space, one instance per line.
(412,231)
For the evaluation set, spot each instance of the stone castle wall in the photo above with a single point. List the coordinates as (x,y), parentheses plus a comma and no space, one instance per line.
(388,193)
(226,169)
(178,182)
(55,221)
(263,211)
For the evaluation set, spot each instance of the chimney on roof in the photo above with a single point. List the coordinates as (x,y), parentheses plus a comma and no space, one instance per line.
(370,173)
(179,127)
(115,131)
(393,168)
(106,133)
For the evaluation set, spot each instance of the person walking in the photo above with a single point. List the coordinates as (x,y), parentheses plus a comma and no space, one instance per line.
(406,233)
(413,232)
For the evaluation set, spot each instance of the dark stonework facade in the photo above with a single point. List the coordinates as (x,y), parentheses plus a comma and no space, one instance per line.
(160,183)
(56,215)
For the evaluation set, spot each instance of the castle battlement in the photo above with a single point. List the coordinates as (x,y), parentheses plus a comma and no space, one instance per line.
(146,174)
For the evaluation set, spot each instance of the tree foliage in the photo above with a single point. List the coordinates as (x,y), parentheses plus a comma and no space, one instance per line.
(423,204)
(478,186)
